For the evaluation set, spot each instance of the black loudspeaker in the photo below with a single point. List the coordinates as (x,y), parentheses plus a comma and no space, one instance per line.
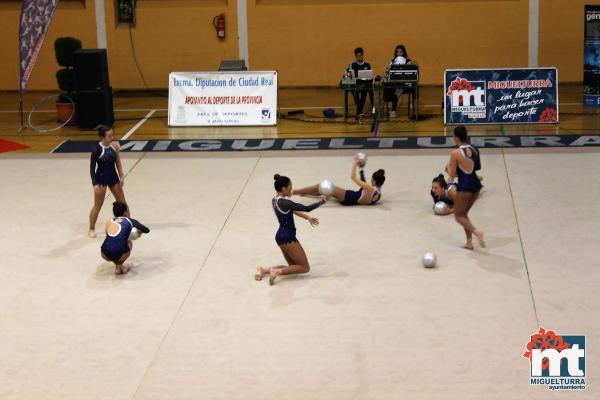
(94,94)
(95,107)
(91,69)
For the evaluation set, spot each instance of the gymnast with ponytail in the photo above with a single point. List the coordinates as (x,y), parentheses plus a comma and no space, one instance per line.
(285,237)
(106,170)
(367,194)
(464,162)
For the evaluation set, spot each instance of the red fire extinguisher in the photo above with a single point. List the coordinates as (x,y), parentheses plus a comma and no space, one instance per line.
(219,24)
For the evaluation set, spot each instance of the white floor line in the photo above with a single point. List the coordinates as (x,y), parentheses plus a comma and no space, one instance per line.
(60,144)
(140,109)
(136,126)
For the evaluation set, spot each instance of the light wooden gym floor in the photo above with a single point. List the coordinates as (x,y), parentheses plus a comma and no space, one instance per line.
(368,321)
(130,109)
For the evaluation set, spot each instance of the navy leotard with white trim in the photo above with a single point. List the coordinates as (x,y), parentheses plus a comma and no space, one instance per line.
(352,197)
(284,210)
(468,181)
(105,158)
(115,246)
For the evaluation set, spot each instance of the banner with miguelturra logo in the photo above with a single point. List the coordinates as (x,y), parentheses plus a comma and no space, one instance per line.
(501,96)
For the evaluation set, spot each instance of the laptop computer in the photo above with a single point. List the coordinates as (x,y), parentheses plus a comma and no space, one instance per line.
(365,74)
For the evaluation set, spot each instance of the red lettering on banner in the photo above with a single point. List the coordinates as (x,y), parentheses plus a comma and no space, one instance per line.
(223,100)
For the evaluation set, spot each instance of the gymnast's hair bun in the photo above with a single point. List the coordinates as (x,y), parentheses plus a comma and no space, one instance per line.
(379,177)
(280,182)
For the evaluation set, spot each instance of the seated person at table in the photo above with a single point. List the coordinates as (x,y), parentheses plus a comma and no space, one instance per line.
(391,94)
(360,97)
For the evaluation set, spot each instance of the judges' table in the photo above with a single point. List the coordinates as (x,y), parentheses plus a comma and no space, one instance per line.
(412,88)
(356,85)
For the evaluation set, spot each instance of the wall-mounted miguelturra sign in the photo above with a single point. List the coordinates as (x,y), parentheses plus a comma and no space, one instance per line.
(223,98)
(501,96)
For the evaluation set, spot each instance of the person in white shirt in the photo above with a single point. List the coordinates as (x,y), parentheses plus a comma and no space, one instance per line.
(400,57)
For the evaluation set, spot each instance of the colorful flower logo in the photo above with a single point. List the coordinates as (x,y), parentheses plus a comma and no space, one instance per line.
(545,340)
(460,84)
(548,115)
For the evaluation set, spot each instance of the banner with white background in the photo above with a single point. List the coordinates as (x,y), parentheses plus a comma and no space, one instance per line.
(241,98)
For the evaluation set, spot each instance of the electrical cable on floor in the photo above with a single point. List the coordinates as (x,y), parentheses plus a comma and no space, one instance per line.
(350,121)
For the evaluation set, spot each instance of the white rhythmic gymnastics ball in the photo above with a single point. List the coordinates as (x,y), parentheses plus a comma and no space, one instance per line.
(135,234)
(361,159)
(326,188)
(429,260)
(440,208)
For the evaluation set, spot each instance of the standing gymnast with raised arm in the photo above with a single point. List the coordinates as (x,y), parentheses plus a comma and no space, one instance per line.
(464,161)
(367,194)
(285,237)
(105,170)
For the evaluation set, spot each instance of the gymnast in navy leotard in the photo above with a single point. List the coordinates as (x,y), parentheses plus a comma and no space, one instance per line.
(116,246)
(285,237)
(444,192)
(367,194)
(464,161)
(106,170)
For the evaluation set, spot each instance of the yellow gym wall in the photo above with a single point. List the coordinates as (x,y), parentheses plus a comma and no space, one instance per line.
(309,42)
(174,35)
(561,37)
